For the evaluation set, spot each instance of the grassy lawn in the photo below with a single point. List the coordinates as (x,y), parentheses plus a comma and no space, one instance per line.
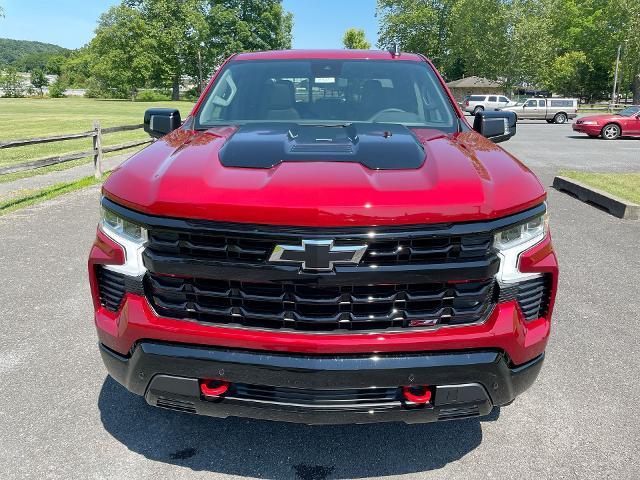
(39,117)
(623,185)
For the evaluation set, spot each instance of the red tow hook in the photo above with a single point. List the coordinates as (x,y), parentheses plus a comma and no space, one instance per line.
(418,394)
(214,388)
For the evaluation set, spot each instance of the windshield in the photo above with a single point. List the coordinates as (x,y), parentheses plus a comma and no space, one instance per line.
(328,92)
(629,111)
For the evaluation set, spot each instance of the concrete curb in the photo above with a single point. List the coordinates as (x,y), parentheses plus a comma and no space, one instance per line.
(616,206)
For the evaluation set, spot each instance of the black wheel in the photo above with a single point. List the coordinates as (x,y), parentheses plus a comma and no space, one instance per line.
(611,131)
(560,118)
(477,110)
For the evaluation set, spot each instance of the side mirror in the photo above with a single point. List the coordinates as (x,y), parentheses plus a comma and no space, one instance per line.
(160,121)
(497,126)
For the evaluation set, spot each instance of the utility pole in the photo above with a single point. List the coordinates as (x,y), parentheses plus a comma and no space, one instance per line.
(200,67)
(622,71)
(615,78)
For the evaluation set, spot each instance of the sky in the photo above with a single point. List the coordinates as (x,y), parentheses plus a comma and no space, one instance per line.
(70,23)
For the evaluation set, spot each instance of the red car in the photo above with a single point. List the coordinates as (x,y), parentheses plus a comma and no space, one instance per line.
(324,239)
(611,126)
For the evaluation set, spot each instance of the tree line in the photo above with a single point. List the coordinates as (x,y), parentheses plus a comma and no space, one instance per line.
(155,44)
(565,46)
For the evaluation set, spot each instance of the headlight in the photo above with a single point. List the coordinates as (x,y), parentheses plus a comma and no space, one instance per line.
(512,241)
(524,233)
(112,223)
(589,123)
(130,236)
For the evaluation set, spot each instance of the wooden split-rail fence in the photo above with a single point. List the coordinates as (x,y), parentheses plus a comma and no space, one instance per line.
(96,152)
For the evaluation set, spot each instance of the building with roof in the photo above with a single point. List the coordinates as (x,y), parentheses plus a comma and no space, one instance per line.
(475,86)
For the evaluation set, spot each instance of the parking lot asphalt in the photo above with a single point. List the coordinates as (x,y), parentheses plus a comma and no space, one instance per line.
(62,417)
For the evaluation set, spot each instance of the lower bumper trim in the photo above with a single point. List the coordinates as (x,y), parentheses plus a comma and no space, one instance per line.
(466,383)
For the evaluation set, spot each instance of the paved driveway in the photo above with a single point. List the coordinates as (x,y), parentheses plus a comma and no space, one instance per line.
(62,417)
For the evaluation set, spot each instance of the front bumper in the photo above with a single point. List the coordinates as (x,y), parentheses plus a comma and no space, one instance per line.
(588,129)
(466,384)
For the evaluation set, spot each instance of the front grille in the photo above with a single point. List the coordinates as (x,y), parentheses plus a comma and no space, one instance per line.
(111,286)
(320,308)
(345,398)
(252,248)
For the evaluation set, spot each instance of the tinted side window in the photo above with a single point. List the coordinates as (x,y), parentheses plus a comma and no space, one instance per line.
(493,99)
(504,99)
(531,103)
(477,98)
(542,103)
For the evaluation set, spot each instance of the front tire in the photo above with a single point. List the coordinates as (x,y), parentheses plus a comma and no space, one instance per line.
(611,131)
(477,110)
(560,118)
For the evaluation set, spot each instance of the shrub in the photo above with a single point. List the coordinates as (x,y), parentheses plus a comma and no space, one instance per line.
(56,89)
(191,95)
(93,88)
(151,96)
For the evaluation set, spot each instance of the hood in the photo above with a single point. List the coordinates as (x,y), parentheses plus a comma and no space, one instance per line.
(605,117)
(463,177)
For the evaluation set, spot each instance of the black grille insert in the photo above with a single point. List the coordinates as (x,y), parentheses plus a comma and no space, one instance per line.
(111,286)
(256,249)
(320,308)
(533,296)
(344,398)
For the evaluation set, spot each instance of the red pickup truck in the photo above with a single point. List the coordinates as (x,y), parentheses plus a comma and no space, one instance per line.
(324,239)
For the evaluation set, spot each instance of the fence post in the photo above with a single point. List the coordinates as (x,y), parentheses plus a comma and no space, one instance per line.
(97,149)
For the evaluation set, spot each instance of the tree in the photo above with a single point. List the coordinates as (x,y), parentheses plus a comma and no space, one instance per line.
(122,55)
(175,29)
(519,42)
(626,14)
(57,88)
(420,26)
(39,80)
(477,41)
(76,70)
(355,39)
(11,83)
(530,44)
(567,73)
(245,25)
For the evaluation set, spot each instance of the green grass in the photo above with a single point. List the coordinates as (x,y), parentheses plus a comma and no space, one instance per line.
(39,117)
(623,185)
(27,198)
(10,177)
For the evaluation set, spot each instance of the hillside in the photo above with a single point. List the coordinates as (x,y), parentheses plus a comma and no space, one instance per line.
(13,50)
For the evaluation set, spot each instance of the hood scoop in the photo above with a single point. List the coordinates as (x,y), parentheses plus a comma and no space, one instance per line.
(377,146)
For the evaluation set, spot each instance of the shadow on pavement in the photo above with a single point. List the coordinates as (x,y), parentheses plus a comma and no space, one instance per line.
(254,448)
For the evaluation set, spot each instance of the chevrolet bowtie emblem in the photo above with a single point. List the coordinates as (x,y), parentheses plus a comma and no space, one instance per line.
(319,255)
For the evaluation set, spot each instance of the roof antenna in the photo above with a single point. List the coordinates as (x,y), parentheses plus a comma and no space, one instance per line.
(394,49)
